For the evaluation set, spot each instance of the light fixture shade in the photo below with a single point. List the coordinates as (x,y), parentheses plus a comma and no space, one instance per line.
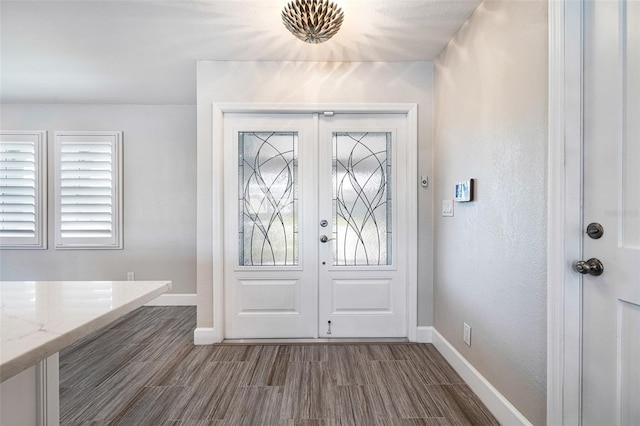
(312,21)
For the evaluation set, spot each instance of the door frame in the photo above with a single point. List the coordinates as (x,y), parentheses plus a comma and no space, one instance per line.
(564,212)
(217,113)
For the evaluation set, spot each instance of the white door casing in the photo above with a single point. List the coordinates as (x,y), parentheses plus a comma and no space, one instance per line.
(564,224)
(611,195)
(282,301)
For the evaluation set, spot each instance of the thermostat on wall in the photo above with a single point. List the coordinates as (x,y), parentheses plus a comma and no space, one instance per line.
(464,191)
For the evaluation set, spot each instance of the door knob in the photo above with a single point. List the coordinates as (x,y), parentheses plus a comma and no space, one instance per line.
(592,266)
(324,239)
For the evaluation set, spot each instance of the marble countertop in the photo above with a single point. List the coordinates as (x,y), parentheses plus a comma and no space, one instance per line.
(40,318)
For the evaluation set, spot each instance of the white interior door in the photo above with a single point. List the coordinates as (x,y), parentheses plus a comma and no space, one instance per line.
(292,178)
(611,301)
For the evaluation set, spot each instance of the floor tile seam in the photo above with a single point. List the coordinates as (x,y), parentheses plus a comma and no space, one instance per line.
(450,400)
(473,400)
(168,387)
(129,407)
(260,386)
(427,380)
(171,366)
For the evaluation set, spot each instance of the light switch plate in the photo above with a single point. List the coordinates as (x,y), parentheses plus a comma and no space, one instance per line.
(447,208)
(466,334)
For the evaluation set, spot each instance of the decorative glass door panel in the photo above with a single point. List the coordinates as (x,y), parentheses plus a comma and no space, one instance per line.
(361,198)
(362,182)
(268,198)
(270,208)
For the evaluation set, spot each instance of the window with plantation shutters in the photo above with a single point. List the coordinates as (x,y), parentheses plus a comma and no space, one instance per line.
(23,159)
(88,189)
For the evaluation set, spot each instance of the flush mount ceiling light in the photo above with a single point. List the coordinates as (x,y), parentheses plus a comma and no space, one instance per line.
(312,21)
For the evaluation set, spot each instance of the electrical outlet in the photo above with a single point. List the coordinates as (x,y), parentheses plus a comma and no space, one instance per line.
(131,276)
(466,334)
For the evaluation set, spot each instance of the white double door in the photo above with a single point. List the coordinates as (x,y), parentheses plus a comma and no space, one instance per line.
(315,225)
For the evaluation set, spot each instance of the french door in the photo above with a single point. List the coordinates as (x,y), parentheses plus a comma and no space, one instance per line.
(314,230)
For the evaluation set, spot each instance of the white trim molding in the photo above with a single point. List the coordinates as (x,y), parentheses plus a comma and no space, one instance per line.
(189,299)
(82,235)
(412,217)
(564,212)
(48,391)
(206,336)
(424,334)
(555,212)
(499,406)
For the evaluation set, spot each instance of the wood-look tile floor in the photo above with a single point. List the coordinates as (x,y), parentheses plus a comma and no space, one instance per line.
(144,370)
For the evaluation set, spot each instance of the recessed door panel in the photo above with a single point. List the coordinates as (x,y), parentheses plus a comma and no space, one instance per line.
(264,297)
(365,296)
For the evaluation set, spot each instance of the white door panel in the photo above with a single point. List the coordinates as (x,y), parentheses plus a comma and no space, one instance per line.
(270,246)
(611,301)
(362,285)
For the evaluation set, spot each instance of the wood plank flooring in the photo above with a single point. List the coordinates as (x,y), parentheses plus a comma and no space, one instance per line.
(144,370)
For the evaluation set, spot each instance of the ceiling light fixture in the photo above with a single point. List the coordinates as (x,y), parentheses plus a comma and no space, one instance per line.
(312,21)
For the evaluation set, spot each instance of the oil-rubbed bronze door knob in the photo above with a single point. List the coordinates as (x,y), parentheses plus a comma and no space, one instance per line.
(592,267)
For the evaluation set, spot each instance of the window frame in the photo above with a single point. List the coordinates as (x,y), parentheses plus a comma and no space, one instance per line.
(40,240)
(115,241)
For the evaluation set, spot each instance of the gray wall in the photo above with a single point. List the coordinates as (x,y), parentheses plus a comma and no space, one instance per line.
(490,88)
(159,195)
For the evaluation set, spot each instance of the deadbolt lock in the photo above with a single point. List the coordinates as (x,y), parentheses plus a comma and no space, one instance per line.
(595,230)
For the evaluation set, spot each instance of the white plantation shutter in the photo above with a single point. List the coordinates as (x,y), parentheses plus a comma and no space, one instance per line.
(88,189)
(23,189)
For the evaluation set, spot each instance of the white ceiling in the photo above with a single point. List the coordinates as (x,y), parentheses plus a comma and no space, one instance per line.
(145,51)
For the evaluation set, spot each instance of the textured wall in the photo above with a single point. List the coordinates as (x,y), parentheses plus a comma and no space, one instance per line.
(313,82)
(159,195)
(490,87)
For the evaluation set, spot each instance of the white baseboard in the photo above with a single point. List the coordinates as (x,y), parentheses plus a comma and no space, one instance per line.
(499,406)
(174,300)
(206,336)
(424,334)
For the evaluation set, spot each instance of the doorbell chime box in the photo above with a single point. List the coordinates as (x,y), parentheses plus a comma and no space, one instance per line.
(464,191)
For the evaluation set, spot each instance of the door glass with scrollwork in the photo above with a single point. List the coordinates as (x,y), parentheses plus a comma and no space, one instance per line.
(268,198)
(362,198)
